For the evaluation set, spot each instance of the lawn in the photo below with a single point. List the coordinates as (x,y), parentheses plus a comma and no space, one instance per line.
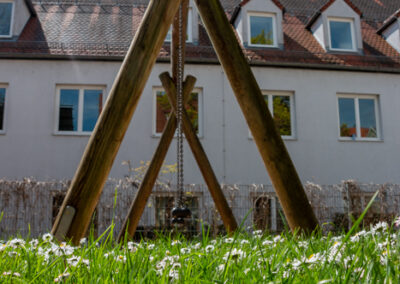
(368,256)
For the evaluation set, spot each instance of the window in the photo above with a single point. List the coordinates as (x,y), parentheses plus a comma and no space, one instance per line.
(262,30)
(163,110)
(189,37)
(6,16)
(78,109)
(358,117)
(281,107)
(341,34)
(2,106)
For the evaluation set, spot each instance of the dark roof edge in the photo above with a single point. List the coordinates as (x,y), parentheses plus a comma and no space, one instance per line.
(235,13)
(30,7)
(388,22)
(312,20)
(202,61)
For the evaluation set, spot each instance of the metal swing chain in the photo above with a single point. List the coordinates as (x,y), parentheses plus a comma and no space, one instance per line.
(180,179)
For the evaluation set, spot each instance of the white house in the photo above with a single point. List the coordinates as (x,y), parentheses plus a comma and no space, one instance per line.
(330,72)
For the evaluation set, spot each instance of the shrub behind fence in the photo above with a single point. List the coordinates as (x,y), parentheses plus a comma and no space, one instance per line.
(29,207)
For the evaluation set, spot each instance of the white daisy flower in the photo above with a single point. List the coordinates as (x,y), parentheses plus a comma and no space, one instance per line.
(209,248)
(62,277)
(185,250)
(228,240)
(175,242)
(47,237)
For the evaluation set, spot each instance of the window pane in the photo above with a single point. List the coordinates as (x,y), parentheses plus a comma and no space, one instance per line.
(282,114)
(2,102)
(164,205)
(68,119)
(5,18)
(341,35)
(261,30)
(192,109)
(347,118)
(163,110)
(92,106)
(367,118)
(169,34)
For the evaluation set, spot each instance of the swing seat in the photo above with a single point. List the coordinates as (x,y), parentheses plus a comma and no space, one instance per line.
(181,212)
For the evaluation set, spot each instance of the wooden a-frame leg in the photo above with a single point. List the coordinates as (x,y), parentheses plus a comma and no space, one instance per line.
(287,184)
(82,197)
(201,158)
(137,207)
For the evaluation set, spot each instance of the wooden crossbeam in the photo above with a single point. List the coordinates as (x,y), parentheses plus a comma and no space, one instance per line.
(137,207)
(287,184)
(201,158)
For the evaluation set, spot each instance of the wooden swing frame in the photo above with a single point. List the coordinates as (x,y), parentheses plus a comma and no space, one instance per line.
(84,192)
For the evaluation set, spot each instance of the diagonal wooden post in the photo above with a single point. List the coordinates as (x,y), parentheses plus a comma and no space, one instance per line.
(137,207)
(86,187)
(200,155)
(280,167)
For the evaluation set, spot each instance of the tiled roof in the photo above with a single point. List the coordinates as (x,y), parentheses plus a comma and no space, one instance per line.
(75,28)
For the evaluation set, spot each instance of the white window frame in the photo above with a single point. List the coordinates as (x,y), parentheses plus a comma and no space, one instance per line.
(12,18)
(271,109)
(197,90)
(274,28)
(352,31)
(356,97)
(81,89)
(189,28)
(4,86)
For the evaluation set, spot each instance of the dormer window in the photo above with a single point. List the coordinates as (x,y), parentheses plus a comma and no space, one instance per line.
(258,23)
(337,27)
(341,34)
(262,30)
(6,16)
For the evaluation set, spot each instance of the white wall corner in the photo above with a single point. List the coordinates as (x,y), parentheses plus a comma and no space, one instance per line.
(195,22)
(317,29)
(392,35)
(20,18)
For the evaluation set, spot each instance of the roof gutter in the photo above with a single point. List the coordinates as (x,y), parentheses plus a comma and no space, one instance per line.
(204,61)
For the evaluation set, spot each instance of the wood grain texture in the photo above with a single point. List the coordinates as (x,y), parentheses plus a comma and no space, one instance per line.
(200,155)
(283,174)
(150,177)
(114,120)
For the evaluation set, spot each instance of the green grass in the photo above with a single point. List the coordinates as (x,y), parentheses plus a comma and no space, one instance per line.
(366,256)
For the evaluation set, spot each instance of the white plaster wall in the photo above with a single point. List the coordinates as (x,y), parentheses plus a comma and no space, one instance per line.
(258,6)
(340,9)
(195,22)
(318,31)
(392,35)
(21,17)
(29,147)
